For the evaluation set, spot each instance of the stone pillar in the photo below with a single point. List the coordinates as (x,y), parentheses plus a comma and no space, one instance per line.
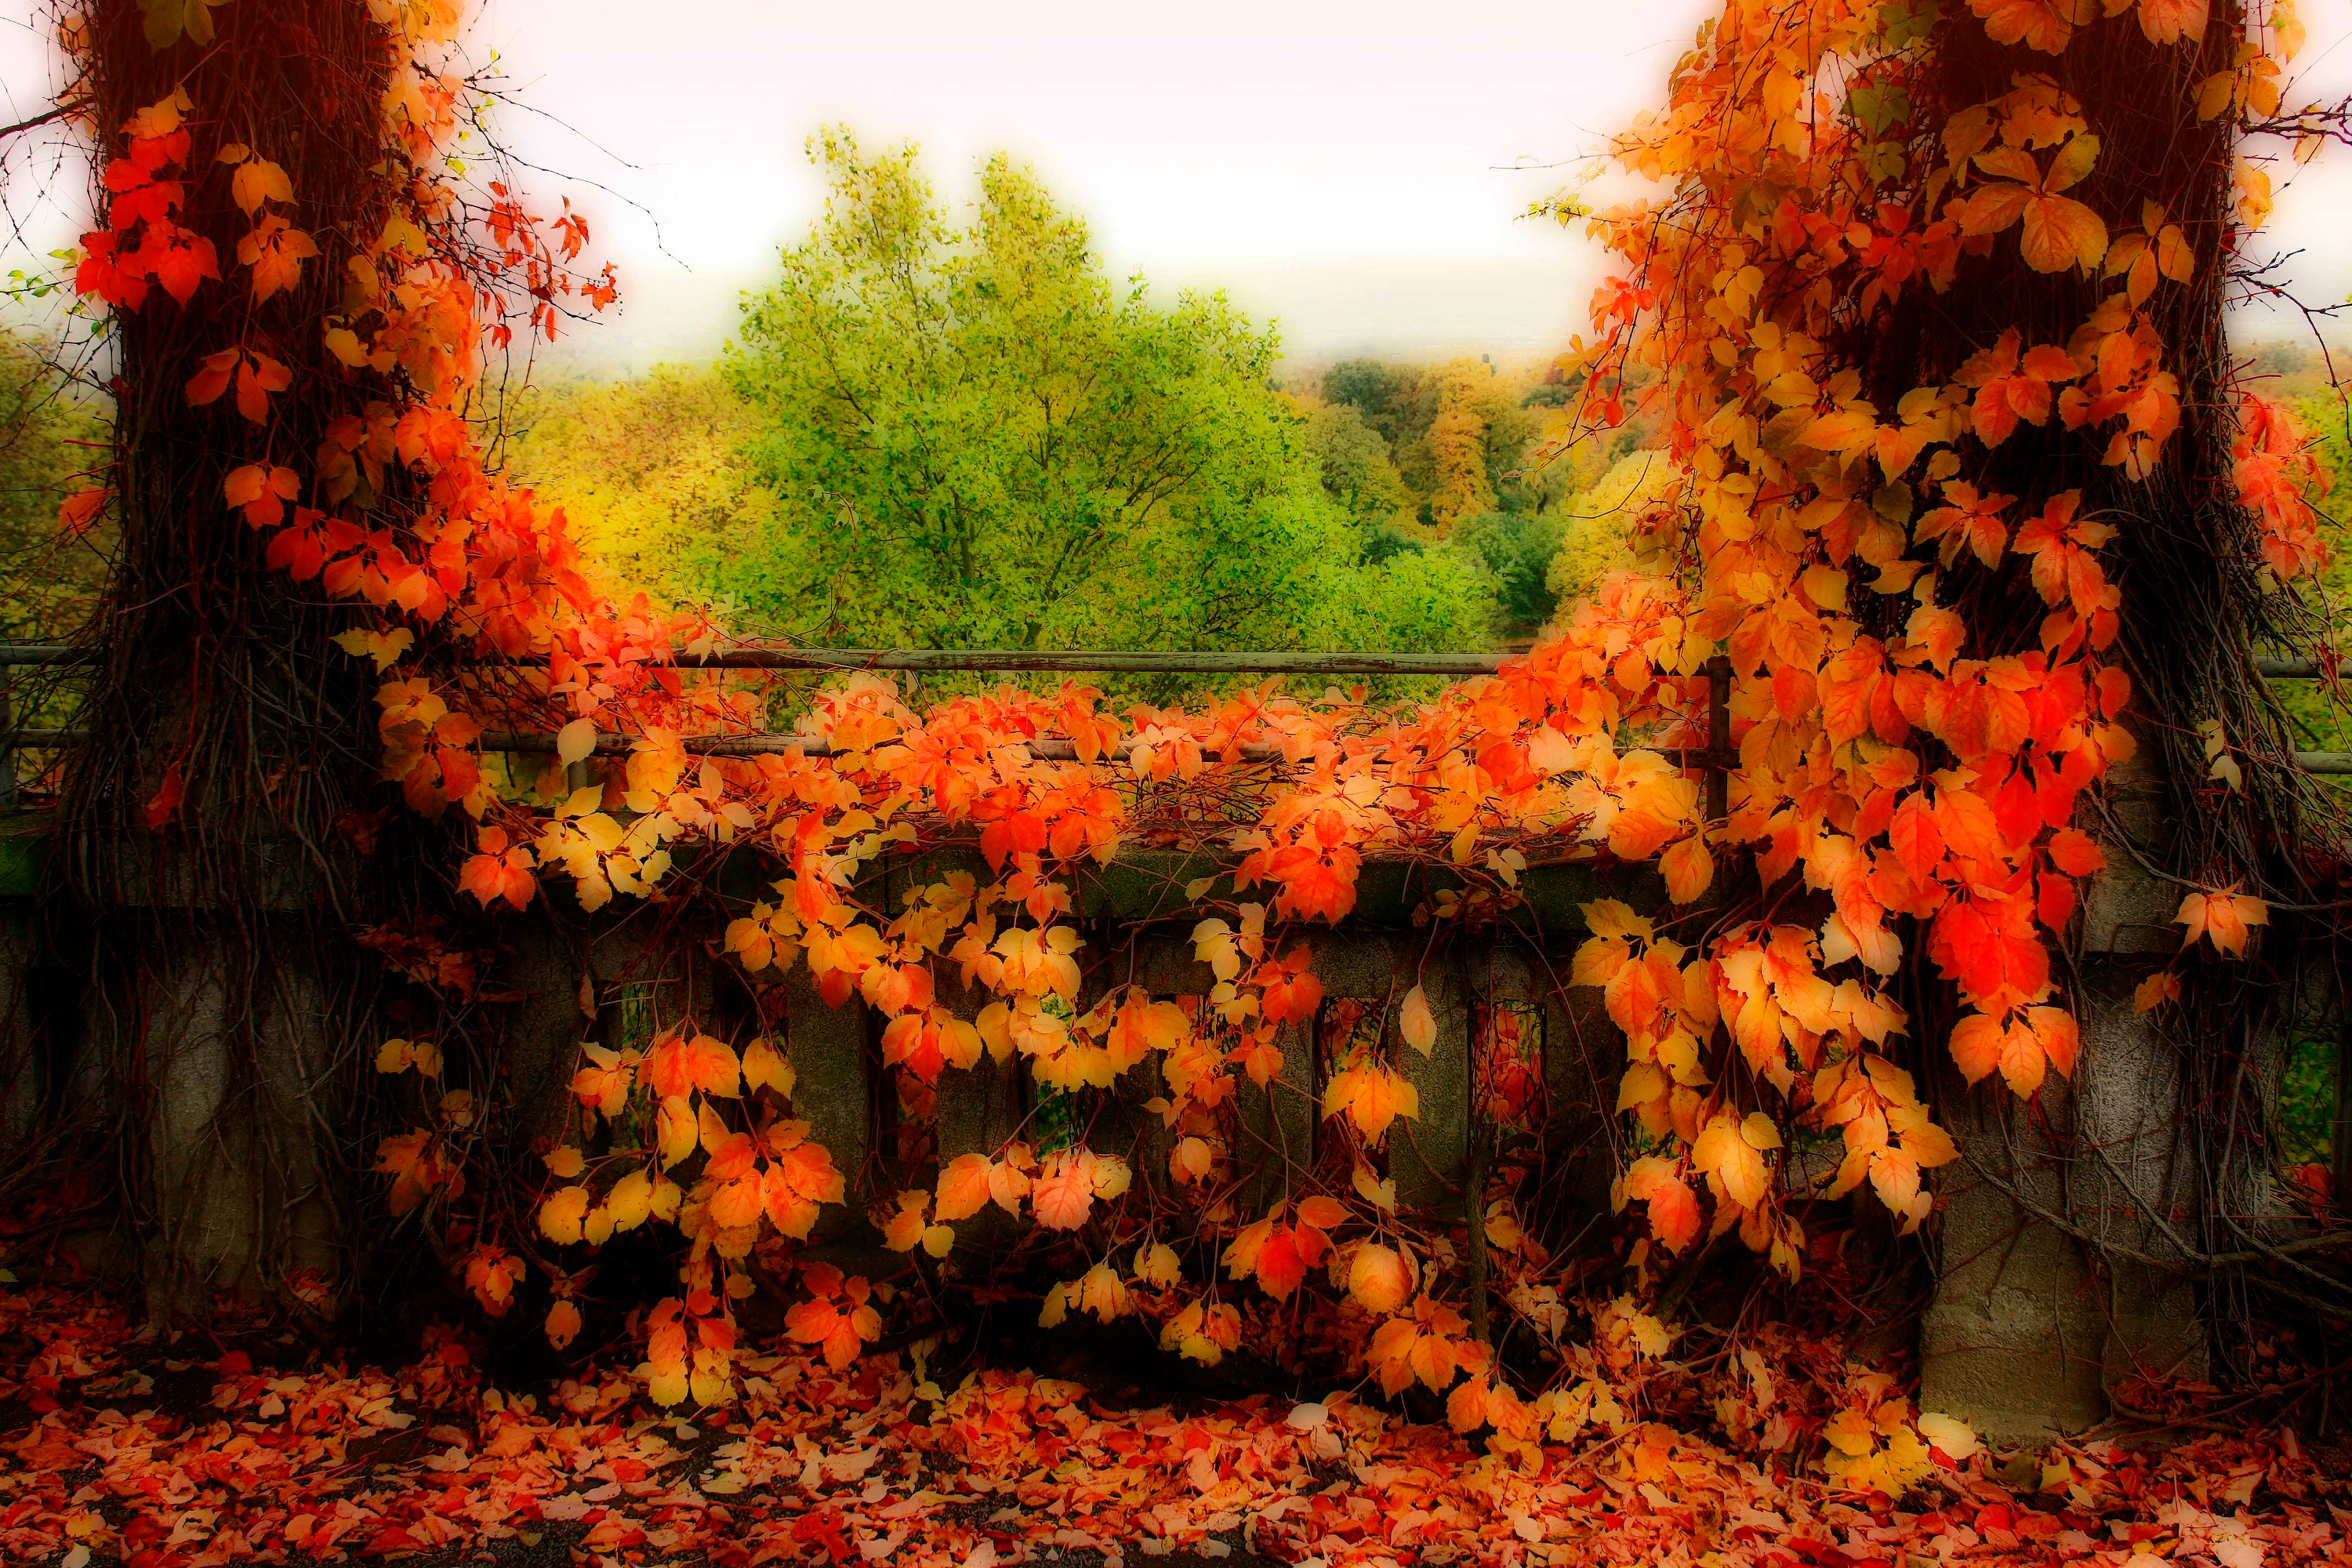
(1430,1156)
(1584,1058)
(2057,1226)
(545,963)
(2015,1338)
(832,1090)
(21,1085)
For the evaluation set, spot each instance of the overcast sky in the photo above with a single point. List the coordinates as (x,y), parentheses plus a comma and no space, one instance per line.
(1355,170)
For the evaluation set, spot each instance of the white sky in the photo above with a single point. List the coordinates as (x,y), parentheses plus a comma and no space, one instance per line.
(1347,168)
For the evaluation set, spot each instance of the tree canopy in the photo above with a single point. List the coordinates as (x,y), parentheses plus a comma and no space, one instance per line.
(974,439)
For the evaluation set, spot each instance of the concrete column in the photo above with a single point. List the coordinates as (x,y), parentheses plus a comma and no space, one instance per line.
(21,1085)
(2057,1227)
(545,963)
(2015,1339)
(1430,1156)
(832,1090)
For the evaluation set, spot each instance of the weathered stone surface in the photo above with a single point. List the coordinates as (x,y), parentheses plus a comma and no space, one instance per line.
(1277,1124)
(2015,1339)
(240,1108)
(2063,1265)
(1584,1058)
(21,1086)
(546,963)
(1430,1155)
(832,1090)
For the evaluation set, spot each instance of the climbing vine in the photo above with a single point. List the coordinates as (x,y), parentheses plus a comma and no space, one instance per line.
(1928,318)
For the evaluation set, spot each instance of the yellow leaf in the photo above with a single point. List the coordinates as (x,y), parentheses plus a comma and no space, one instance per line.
(257,180)
(1954,1438)
(560,1216)
(575,741)
(1689,869)
(1609,918)
(2155,991)
(1417,1023)
(1380,1279)
(630,1200)
(345,345)
(2060,232)
(765,1067)
(563,1324)
(963,1187)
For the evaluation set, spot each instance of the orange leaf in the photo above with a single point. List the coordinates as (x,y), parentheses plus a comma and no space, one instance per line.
(1977,1042)
(1379,1277)
(963,1188)
(2155,991)
(81,509)
(257,180)
(2060,232)
(1063,1194)
(1417,1024)
(1689,869)
(212,377)
(2225,917)
(1919,845)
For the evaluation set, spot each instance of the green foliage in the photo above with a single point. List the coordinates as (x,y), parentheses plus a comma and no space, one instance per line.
(50,439)
(2306,1105)
(971,439)
(1354,463)
(650,474)
(1386,396)
(2319,715)
(1593,524)
(1516,549)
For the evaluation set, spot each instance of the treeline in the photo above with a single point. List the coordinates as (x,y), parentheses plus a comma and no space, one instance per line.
(52,436)
(1465,459)
(936,430)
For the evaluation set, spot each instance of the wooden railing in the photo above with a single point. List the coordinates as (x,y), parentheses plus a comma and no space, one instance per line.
(1716,756)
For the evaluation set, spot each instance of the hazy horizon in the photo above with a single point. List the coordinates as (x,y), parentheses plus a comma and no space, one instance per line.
(1357,174)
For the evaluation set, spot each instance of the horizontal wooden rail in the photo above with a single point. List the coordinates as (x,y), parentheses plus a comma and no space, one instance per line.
(769,744)
(763,743)
(46,653)
(1075,661)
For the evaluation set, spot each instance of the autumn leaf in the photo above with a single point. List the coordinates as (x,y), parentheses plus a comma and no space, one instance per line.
(561,1217)
(1416,1023)
(2225,917)
(1064,1194)
(1372,1096)
(1380,1279)
(275,251)
(257,180)
(79,509)
(2044,25)
(963,1188)
(765,1067)
(165,22)
(1689,868)
(563,1324)
(2155,991)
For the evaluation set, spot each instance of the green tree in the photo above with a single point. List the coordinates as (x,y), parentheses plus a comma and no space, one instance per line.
(1382,392)
(1354,463)
(49,441)
(1516,549)
(972,439)
(649,473)
(1593,524)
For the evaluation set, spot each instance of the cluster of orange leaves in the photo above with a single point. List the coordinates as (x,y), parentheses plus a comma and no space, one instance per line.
(177,1452)
(1899,775)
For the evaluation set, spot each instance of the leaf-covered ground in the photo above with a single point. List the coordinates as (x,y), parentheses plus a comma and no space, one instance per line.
(181,1450)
